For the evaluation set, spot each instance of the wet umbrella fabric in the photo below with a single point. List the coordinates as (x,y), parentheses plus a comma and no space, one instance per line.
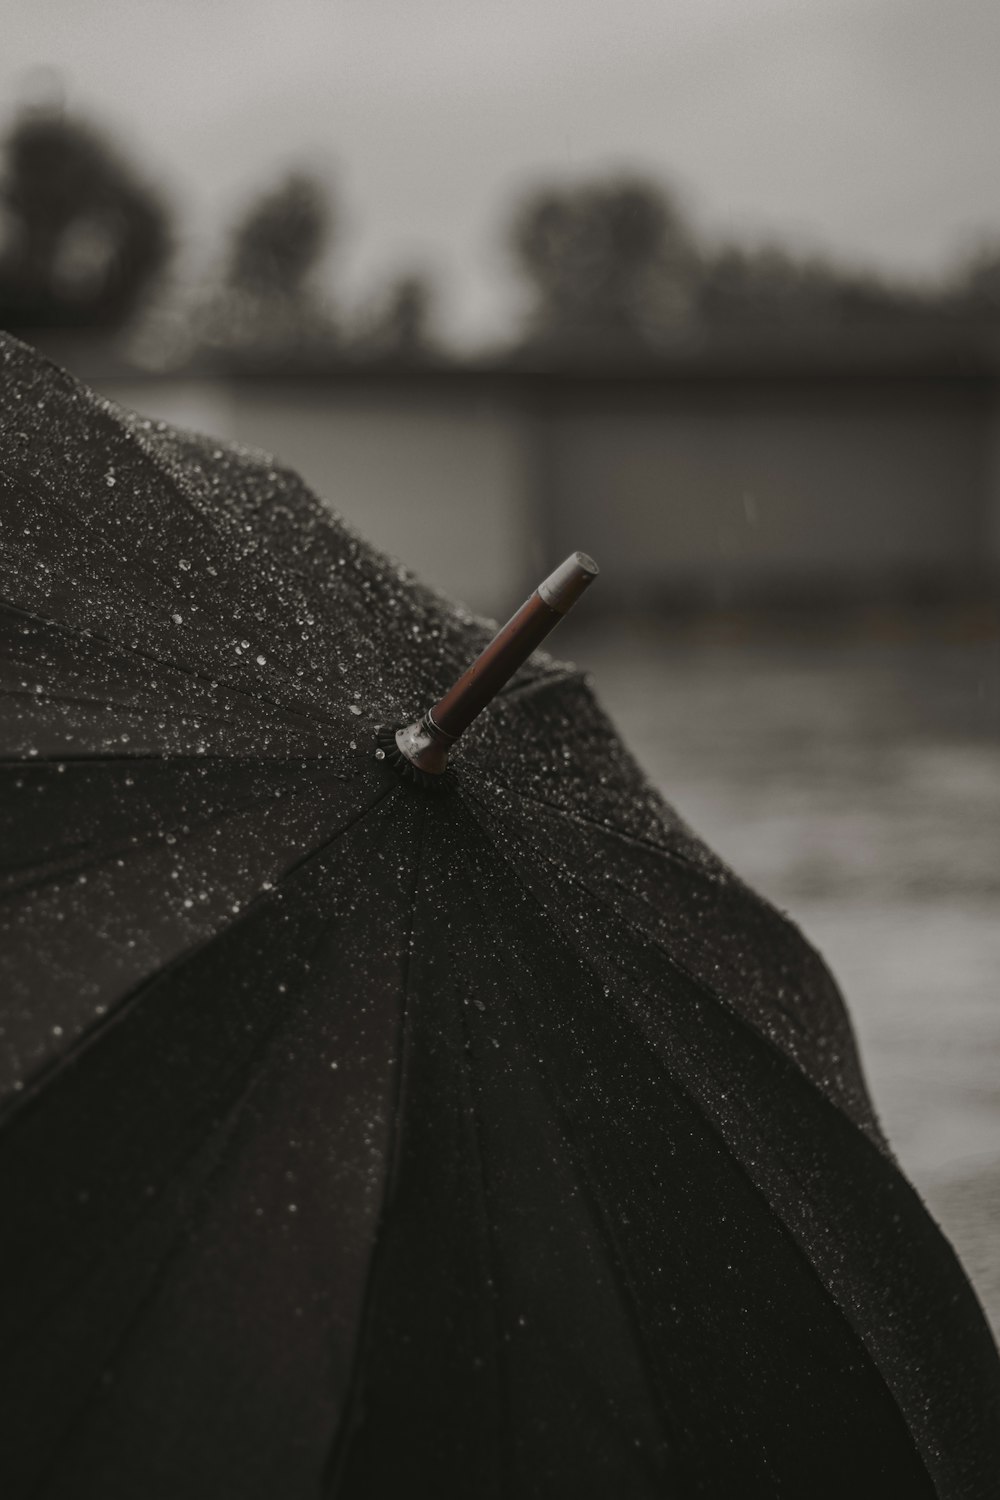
(359,1142)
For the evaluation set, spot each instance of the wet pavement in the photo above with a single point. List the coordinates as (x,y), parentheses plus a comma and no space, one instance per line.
(856,783)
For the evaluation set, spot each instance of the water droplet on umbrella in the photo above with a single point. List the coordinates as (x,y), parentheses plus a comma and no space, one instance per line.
(177,619)
(185,565)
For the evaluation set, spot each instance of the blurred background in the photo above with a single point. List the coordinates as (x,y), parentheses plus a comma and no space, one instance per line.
(708,289)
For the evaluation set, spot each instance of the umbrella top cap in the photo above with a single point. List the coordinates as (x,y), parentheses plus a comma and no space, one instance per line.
(419,751)
(566,583)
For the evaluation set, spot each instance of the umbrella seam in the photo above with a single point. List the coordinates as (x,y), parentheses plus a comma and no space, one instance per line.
(175,666)
(635,926)
(873,1136)
(602,1218)
(196,507)
(17,1107)
(25,762)
(844,1309)
(222,1135)
(503,1376)
(351,1419)
(724,875)
(720,877)
(234,810)
(126,710)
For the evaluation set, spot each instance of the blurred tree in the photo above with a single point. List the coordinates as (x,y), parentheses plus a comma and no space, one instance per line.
(401,325)
(280,239)
(612,266)
(269,299)
(975,291)
(769,287)
(82,238)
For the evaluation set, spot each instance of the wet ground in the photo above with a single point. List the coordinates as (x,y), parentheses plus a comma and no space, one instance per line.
(857,784)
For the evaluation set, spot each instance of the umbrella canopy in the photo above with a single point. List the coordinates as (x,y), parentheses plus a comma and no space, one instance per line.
(359,1141)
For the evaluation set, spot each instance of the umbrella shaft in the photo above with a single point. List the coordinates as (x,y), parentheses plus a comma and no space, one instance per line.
(419,751)
(507,651)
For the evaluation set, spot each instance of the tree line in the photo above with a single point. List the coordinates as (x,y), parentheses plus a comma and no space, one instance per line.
(613,268)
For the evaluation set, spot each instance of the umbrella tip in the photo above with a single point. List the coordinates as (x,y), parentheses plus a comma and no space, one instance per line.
(566,583)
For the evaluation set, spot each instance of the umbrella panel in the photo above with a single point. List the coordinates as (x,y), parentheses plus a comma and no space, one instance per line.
(514,1232)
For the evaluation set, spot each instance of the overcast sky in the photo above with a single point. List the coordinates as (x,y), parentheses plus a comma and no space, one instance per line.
(868,128)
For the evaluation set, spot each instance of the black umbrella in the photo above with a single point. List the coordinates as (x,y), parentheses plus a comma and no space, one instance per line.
(361,1141)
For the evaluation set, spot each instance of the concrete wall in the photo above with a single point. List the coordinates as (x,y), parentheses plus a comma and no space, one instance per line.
(761,489)
(711,490)
(440,484)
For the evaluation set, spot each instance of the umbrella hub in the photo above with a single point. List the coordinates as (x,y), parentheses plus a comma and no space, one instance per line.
(425,745)
(418,753)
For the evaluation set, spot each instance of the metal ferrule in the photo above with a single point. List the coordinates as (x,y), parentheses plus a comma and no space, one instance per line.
(425,745)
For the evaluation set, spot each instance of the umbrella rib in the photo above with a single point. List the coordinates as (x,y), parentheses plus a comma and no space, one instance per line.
(252,700)
(219,1136)
(226,1127)
(133,565)
(602,1218)
(334,1467)
(690,974)
(842,1304)
(209,517)
(500,1363)
(843,1307)
(22,762)
(114,1016)
(126,846)
(645,902)
(721,874)
(618,1260)
(618,833)
(126,710)
(218,521)
(129,567)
